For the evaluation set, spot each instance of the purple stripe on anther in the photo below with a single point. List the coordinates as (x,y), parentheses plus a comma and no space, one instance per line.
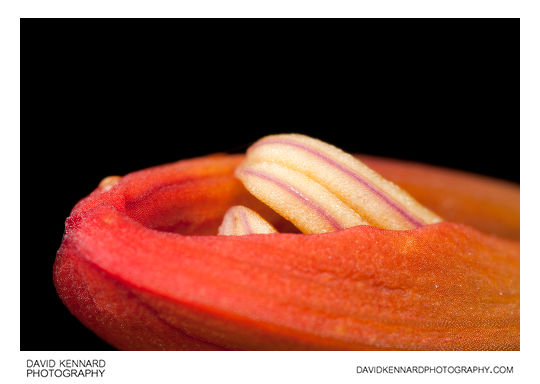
(349,172)
(298,194)
(245,222)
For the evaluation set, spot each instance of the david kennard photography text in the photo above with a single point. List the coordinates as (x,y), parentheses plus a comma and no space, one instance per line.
(65,368)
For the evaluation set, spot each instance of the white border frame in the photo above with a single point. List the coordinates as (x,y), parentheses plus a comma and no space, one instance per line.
(263,367)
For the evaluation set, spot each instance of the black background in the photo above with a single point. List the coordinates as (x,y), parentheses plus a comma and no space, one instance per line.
(110,97)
